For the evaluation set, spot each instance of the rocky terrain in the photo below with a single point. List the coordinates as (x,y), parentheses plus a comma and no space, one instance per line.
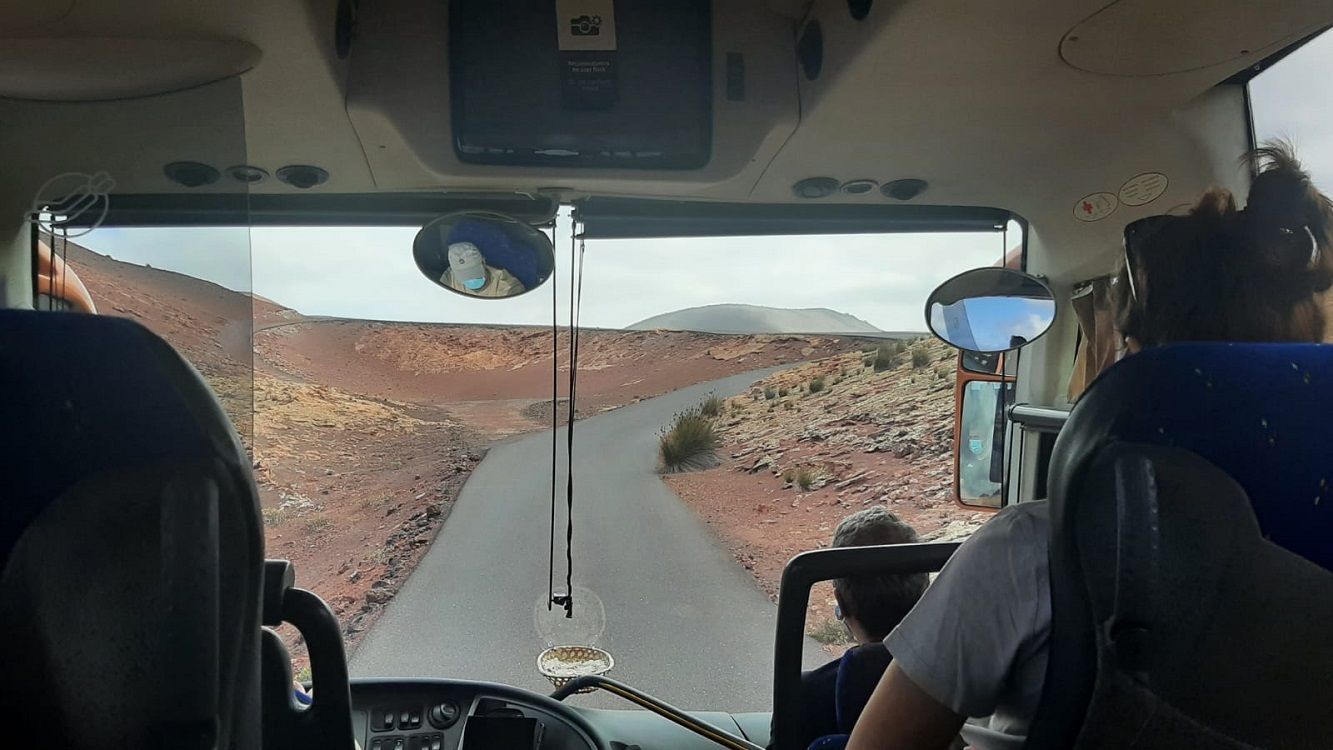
(796,459)
(362,433)
(498,379)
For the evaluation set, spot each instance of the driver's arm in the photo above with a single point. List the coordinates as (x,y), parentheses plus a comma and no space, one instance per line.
(902,715)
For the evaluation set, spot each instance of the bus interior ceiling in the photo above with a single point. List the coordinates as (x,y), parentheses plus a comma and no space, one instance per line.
(1028,106)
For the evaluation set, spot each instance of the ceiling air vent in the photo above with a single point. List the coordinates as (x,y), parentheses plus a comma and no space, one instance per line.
(859,187)
(815,187)
(303,176)
(904,190)
(191,174)
(247,174)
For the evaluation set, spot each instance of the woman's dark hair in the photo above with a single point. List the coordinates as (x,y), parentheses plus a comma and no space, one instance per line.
(878,602)
(1219,274)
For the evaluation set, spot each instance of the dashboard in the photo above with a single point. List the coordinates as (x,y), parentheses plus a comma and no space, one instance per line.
(465,715)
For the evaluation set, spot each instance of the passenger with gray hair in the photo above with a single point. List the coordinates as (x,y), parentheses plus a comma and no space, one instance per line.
(869,606)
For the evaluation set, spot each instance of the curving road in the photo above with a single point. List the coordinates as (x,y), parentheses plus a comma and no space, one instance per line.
(682,619)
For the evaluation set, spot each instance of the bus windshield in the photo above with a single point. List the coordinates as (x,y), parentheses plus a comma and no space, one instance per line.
(736,398)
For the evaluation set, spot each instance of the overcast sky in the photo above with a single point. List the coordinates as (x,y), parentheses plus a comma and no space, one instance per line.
(884,280)
(1294,100)
(369,273)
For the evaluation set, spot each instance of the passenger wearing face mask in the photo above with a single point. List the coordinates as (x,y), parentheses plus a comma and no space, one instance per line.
(469,273)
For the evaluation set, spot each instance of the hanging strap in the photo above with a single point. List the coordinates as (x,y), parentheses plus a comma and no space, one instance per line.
(576,249)
(555,428)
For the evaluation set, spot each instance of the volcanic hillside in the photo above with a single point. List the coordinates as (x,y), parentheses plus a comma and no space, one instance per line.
(363,432)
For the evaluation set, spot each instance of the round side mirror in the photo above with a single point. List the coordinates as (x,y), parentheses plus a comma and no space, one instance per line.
(990,310)
(483,255)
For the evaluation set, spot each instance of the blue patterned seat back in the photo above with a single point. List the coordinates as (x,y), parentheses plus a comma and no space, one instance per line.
(1263,413)
(831,742)
(1191,554)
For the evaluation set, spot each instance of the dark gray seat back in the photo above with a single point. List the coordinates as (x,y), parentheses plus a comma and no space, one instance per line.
(1190,595)
(131,546)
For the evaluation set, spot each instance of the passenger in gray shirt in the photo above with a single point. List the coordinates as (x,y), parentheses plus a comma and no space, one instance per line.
(977,642)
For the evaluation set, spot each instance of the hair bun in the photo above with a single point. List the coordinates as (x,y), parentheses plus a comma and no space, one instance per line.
(1281,194)
(1282,205)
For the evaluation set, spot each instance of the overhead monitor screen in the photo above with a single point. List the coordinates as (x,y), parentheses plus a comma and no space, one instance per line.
(582,83)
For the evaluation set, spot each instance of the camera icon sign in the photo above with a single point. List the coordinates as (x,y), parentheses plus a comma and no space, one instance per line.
(585,25)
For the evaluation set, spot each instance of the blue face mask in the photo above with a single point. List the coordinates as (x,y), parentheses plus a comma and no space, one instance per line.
(474,284)
(976,446)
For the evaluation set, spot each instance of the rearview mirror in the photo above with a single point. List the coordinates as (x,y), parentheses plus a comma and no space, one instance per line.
(990,310)
(483,255)
(980,439)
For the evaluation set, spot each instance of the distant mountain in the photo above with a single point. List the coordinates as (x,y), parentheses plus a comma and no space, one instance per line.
(756,319)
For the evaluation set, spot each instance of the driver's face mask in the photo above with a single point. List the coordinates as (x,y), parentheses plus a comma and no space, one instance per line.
(467,265)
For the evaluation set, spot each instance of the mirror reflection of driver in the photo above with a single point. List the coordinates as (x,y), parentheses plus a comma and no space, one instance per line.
(469,273)
(978,435)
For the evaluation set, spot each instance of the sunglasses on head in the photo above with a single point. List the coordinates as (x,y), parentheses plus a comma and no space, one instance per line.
(1135,233)
(1138,231)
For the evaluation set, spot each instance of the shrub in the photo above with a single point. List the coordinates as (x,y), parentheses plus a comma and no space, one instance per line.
(783,391)
(711,406)
(804,478)
(786,405)
(816,385)
(789,476)
(886,358)
(317,524)
(920,356)
(273,516)
(770,394)
(830,632)
(900,347)
(690,444)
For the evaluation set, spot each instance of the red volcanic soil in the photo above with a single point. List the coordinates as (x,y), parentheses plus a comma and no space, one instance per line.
(362,433)
(207,323)
(860,439)
(493,374)
(349,493)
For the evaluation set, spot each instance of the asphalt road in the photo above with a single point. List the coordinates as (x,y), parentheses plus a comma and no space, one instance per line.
(682,619)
